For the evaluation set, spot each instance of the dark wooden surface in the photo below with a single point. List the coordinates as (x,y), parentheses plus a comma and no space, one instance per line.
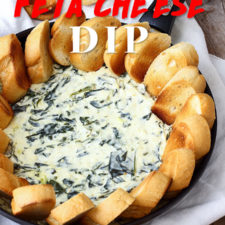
(212,22)
(219,222)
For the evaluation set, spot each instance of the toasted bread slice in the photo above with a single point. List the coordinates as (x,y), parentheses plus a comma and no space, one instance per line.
(191,75)
(171,100)
(93,60)
(9,182)
(147,194)
(167,64)
(23,182)
(4,141)
(15,82)
(88,2)
(71,210)
(136,212)
(115,61)
(137,63)
(180,137)
(50,5)
(6,163)
(192,132)
(6,113)
(61,43)
(109,209)
(200,131)
(33,201)
(179,164)
(37,58)
(201,104)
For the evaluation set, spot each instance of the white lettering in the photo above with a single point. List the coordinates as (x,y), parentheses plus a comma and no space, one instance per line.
(111,39)
(130,37)
(76,39)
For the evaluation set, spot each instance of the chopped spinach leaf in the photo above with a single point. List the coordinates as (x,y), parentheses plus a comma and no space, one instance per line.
(57,187)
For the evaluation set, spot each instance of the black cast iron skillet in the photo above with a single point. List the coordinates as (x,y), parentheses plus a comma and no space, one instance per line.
(164,24)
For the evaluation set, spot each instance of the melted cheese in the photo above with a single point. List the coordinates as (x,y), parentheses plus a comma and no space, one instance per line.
(86,132)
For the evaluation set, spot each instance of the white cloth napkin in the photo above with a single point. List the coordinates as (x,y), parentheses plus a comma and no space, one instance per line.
(205,203)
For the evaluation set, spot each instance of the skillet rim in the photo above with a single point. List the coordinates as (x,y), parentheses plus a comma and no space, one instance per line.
(200,168)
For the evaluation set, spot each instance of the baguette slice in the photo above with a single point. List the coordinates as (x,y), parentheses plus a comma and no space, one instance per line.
(191,75)
(9,182)
(6,113)
(179,164)
(33,201)
(50,5)
(147,195)
(137,63)
(6,163)
(109,209)
(171,100)
(197,130)
(201,104)
(4,141)
(15,82)
(71,210)
(93,60)
(200,131)
(37,58)
(115,61)
(167,64)
(61,43)
(180,137)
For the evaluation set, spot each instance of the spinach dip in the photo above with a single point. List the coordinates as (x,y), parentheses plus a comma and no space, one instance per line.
(86,132)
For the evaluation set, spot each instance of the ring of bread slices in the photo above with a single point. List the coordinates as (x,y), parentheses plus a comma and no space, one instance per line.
(170,74)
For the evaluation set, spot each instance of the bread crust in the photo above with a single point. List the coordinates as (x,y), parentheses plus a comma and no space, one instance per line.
(194,133)
(88,2)
(71,210)
(37,58)
(200,131)
(6,163)
(191,75)
(14,79)
(115,61)
(171,100)
(6,113)
(61,43)
(179,164)
(136,212)
(137,63)
(4,141)
(50,5)
(9,182)
(33,201)
(147,194)
(180,137)
(109,209)
(171,194)
(167,64)
(93,60)
(201,104)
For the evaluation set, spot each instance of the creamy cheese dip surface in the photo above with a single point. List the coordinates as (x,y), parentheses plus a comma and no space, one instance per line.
(86,132)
